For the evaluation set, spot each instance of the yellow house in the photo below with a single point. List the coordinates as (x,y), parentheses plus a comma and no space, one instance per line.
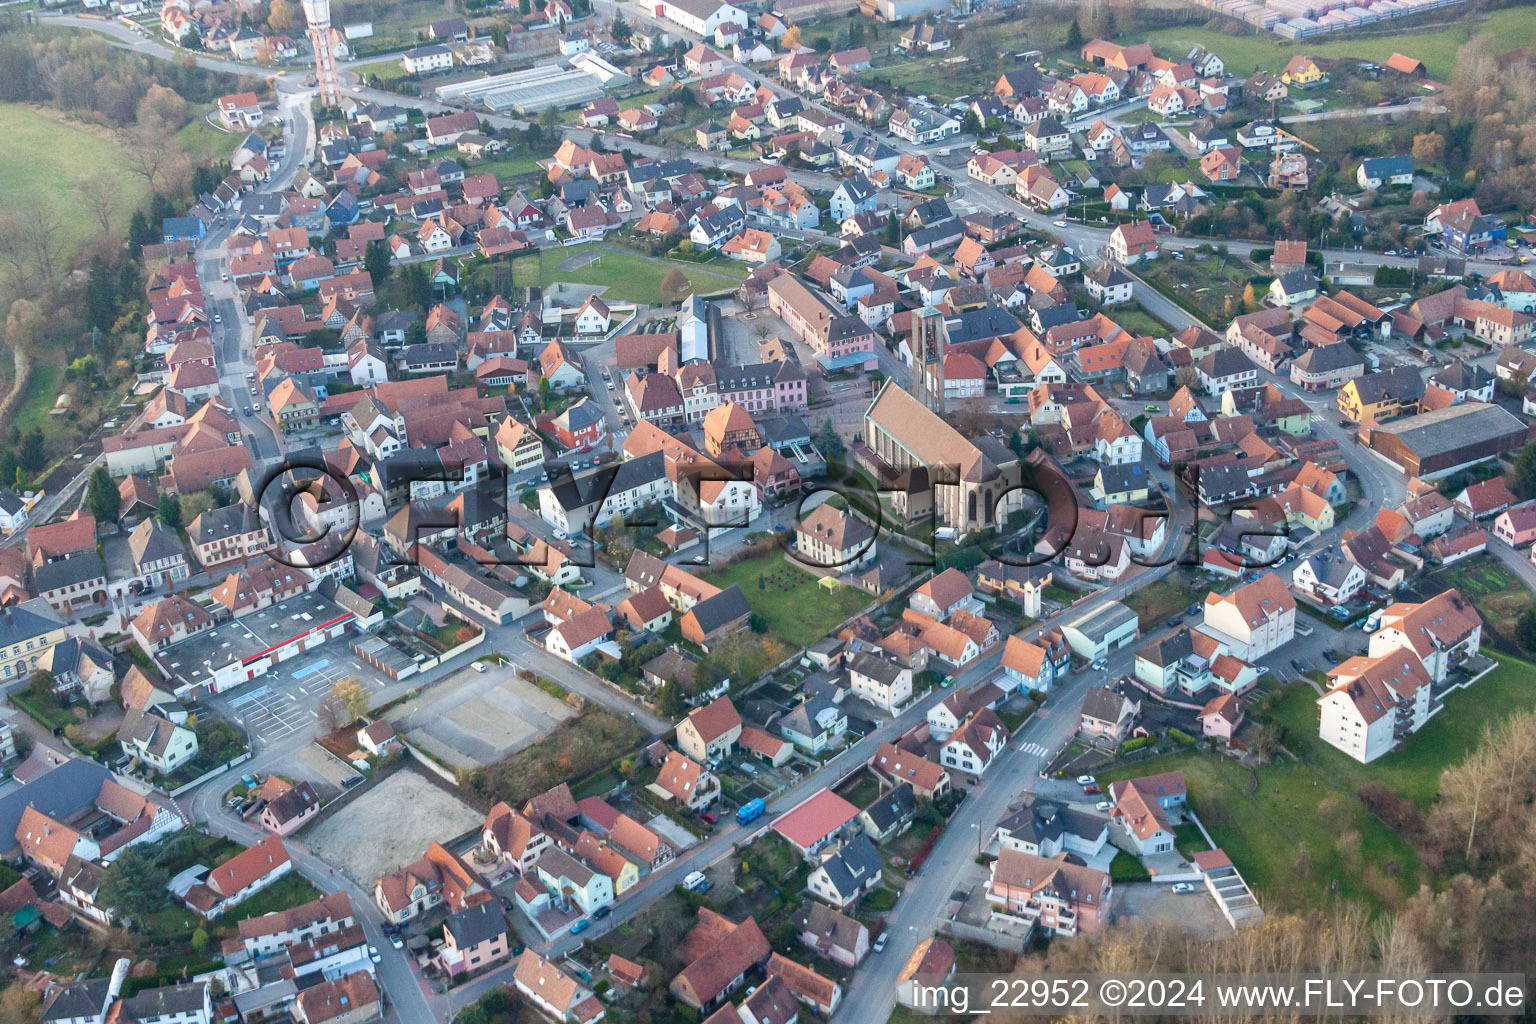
(1306,507)
(1381,396)
(1119,485)
(1301,71)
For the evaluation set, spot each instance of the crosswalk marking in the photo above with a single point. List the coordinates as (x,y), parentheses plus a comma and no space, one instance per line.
(1033,749)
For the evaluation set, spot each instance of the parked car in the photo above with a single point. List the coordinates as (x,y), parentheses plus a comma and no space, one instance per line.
(710,817)
(1103,805)
(396,941)
(1092,789)
(373,954)
(601,912)
(1086,780)
(1183,887)
(580,926)
(880,942)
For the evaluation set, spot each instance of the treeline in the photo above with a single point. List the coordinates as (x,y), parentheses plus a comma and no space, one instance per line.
(95,317)
(86,75)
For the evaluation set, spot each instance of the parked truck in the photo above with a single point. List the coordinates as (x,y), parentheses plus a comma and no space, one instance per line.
(750,811)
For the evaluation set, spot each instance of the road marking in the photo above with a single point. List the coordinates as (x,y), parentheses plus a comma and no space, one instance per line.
(244,699)
(309,669)
(1034,749)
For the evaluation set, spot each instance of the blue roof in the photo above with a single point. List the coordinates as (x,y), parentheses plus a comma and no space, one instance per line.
(1387,166)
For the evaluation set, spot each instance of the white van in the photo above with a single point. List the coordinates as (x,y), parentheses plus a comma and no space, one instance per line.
(694,880)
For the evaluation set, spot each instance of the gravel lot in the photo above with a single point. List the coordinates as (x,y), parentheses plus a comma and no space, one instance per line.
(1157,903)
(390,826)
(472,719)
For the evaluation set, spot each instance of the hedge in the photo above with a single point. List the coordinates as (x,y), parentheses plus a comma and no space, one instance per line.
(1135,744)
(1181,737)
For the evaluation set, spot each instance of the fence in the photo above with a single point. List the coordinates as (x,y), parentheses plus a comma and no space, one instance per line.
(211,773)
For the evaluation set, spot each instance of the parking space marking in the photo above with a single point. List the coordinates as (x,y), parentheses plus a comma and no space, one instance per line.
(274,715)
(310,669)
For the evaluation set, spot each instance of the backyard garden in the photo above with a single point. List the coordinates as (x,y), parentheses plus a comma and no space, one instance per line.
(791,601)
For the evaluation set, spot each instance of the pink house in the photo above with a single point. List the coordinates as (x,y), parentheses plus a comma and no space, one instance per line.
(1221,717)
(1517,526)
(474,937)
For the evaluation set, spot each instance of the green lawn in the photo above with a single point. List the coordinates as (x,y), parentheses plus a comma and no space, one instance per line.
(44,711)
(41,394)
(1127,868)
(507,165)
(788,598)
(1274,834)
(1413,771)
(628,277)
(1156,602)
(1514,28)
(205,144)
(43,160)
(389,69)
(1138,321)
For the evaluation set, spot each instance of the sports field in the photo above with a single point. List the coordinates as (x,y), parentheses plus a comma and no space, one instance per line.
(42,161)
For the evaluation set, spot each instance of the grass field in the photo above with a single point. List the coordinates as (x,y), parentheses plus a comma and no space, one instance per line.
(628,277)
(789,599)
(1273,831)
(37,402)
(389,69)
(1513,27)
(42,161)
(1413,771)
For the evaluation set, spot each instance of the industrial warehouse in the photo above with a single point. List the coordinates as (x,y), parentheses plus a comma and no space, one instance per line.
(1438,443)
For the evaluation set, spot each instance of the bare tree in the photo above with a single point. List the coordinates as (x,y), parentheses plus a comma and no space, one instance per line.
(748,298)
(15,247)
(46,229)
(148,151)
(99,194)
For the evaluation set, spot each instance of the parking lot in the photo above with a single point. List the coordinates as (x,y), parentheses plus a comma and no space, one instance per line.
(285,700)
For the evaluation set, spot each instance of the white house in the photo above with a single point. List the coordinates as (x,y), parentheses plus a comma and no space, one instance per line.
(881,682)
(593,317)
(1374,703)
(1443,631)
(972,747)
(1254,619)
(1333,580)
(426,59)
(701,17)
